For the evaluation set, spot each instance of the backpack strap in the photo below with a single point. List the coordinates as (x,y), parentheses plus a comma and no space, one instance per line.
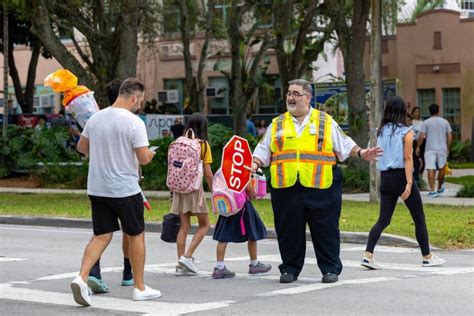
(193,136)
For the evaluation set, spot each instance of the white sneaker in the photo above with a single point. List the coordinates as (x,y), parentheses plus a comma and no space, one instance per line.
(147,294)
(183,271)
(433,261)
(81,292)
(188,263)
(370,264)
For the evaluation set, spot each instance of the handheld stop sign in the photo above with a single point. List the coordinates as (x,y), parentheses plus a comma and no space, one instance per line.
(236,163)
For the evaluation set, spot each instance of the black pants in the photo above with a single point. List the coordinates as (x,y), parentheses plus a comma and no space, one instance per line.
(392,185)
(296,206)
(417,171)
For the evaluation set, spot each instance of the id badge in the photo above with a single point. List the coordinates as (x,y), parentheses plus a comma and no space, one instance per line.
(312,129)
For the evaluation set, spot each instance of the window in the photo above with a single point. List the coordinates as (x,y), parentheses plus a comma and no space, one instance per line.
(220,103)
(452,109)
(180,85)
(269,96)
(264,14)
(425,97)
(437,41)
(170,17)
(221,9)
(467,4)
(43,102)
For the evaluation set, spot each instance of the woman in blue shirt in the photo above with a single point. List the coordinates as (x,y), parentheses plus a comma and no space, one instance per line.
(396,166)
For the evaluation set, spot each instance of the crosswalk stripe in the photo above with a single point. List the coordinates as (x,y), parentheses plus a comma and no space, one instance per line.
(7,259)
(320,286)
(154,307)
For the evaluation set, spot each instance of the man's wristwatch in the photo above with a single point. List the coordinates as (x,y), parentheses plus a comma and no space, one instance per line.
(358,152)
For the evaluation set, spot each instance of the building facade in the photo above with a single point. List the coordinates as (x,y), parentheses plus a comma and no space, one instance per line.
(433,58)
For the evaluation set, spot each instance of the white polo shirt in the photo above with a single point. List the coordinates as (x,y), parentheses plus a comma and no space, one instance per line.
(342,144)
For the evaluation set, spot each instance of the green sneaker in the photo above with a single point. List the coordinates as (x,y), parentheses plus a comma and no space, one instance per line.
(127,282)
(97,285)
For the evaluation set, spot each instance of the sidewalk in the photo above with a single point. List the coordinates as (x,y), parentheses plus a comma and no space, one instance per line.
(447,198)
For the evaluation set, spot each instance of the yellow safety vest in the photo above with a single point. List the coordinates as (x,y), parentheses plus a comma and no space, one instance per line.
(309,157)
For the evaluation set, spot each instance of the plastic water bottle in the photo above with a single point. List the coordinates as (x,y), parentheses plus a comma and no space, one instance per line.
(261,184)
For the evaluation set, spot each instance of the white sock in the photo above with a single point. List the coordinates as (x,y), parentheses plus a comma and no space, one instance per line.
(254,262)
(220,265)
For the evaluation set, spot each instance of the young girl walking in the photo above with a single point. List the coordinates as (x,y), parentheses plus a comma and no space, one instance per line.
(193,203)
(396,166)
(241,227)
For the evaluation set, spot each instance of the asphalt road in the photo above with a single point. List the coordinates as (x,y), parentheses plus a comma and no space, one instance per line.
(38,263)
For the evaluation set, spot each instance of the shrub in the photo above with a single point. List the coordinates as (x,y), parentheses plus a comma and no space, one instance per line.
(355,179)
(460,151)
(466,191)
(65,177)
(155,172)
(25,147)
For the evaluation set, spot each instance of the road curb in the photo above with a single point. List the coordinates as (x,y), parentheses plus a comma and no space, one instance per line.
(346,237)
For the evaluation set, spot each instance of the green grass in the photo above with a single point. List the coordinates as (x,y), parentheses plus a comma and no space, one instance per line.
(461,165)
(461,180)
(450,227)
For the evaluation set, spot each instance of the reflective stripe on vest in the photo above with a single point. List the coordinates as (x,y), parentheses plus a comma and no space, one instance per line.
(293,156)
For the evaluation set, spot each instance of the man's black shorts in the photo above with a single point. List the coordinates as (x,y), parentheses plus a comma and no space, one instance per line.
(106,212)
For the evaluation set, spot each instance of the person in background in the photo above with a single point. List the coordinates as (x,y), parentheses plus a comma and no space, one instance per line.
(251,126)
(418,161)
(262,128)
(396,180)
(178,128)
(438,134)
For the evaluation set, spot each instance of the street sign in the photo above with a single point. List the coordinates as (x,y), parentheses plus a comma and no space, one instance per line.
(236,163)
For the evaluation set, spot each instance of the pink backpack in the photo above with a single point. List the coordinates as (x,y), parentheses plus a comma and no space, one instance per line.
(185,169)
(224,201)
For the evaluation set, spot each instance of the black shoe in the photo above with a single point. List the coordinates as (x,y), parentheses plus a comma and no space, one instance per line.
(330,278)
(288,278)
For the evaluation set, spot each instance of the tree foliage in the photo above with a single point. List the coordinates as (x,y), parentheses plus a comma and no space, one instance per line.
(19,34)
(104,34)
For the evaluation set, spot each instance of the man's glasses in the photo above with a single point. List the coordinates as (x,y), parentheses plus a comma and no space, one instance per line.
(294,94)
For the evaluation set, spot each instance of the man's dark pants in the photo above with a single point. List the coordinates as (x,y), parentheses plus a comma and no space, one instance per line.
(295,206)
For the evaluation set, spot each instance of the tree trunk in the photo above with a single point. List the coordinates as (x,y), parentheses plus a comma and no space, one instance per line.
(375,90)
(128,37)
(25,98)
(186,32)
(353,45)
(20,97)
(200,88)
(236,93)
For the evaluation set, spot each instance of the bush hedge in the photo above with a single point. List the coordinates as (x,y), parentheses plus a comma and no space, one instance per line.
(26,147)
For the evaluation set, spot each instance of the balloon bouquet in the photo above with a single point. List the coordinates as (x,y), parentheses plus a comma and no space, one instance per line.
(78,100)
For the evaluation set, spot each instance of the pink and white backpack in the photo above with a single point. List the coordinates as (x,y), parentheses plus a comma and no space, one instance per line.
(185,169)
(224,201)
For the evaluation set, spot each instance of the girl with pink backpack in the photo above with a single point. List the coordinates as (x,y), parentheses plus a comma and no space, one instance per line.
(189,159)
(238,222)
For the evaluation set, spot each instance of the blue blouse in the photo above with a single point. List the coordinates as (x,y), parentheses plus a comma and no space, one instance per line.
(391,141)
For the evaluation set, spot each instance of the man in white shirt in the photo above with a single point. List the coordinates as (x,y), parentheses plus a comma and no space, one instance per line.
(295,200)
(116,141)
(438,134)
